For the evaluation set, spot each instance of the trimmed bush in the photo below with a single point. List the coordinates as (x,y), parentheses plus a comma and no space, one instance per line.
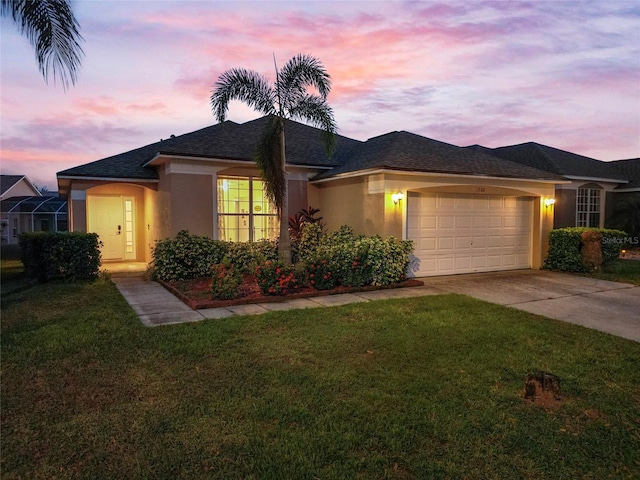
(225,281)
(67,256)
(187,256)
(356,260)
(248,255)
(565,244)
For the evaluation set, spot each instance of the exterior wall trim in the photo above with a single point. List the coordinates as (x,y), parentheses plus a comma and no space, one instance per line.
(362,173)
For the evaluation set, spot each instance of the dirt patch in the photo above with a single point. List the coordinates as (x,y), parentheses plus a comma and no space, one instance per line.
(543,389)
(197,294)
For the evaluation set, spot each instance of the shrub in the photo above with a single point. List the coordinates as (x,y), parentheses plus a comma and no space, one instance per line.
(310,238)
(276,278)
(247,255)
(565,244)
(225,281)
(60,255)
(389,259)
(187,256)
(322,275)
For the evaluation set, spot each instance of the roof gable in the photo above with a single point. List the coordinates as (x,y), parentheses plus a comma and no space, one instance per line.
(12,182)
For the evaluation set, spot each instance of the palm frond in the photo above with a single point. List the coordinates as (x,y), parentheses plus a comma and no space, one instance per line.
(247,86)
(297,74)
(269,160)
(317,111)
(53,31)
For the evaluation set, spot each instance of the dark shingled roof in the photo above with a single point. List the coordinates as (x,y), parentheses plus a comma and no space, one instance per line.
(410,152)
(556,161)
(228,140)
(630,169)
(8,181)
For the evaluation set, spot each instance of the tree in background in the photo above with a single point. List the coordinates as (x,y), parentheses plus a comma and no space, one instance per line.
(53,31)
(287,98)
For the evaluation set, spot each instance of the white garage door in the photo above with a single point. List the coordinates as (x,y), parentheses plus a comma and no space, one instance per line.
(456,233)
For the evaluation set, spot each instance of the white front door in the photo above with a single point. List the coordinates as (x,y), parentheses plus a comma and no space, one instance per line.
(456,233)
(106,218)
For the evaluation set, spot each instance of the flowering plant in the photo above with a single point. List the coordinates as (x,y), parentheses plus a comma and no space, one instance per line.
(225,281)
(321,274)
(276,278)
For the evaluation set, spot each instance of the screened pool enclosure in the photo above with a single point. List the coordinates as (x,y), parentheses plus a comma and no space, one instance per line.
(31,214)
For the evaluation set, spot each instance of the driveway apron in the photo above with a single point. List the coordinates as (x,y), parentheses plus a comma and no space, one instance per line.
(610,307)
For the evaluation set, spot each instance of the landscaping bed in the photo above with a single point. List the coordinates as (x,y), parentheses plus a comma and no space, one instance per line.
(197,292)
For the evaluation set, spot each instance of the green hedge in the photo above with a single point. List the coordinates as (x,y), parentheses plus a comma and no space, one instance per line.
(187,256)
(356,260)
(60,255)
(192,256)
(565,244)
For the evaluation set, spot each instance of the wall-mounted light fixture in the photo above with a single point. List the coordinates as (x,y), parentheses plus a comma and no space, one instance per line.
(396,197)
(549,201)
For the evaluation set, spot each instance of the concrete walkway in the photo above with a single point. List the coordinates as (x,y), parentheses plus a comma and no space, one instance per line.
(606,306)
(156,306)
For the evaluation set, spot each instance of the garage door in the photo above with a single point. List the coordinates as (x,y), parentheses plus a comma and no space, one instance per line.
(456,233)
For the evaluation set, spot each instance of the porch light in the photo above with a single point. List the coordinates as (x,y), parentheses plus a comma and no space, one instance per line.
(549,201)
(396,197)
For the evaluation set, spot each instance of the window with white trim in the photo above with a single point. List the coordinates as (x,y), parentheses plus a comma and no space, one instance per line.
(588,207)
(244,212)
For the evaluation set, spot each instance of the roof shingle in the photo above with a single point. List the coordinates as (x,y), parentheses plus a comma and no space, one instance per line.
(410,152)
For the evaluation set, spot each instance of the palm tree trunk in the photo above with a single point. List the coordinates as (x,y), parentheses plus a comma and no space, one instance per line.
(284,245)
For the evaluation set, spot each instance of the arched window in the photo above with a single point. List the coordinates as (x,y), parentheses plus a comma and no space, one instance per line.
(588,203)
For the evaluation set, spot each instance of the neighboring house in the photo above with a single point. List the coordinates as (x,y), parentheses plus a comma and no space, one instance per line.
(585,201)
(16,186)
(24,209)
(466,211)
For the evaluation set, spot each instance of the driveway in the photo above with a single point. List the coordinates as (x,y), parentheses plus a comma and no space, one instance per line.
(607,306)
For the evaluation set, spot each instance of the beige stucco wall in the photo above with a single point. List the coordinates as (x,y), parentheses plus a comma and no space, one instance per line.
(192,204)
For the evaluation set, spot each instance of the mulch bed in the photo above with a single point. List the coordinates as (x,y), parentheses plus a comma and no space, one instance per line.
(631,254)
(197,294)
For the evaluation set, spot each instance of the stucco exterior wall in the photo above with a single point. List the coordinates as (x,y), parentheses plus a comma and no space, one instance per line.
(565,208)
(192,204)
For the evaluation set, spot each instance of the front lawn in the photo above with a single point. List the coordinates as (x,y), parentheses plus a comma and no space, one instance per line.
(409,389)
(625,271)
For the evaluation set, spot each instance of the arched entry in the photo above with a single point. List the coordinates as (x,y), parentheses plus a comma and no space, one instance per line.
(113,218)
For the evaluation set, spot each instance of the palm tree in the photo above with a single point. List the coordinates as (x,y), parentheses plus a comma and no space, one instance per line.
(287,98)
(53,32)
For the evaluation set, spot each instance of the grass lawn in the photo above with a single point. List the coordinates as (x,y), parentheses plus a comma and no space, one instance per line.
(406,389)
(626,271)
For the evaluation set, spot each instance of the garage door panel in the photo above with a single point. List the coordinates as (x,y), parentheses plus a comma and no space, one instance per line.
(462,263)
(428,244)
(445,243)
(469,233)
(463,221)
(495,222)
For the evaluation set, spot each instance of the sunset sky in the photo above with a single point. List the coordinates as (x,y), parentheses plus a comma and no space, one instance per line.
(564,74)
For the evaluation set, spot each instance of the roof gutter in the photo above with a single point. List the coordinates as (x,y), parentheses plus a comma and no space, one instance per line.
(361,173)
(597,179)
(231,161)
(109,179)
